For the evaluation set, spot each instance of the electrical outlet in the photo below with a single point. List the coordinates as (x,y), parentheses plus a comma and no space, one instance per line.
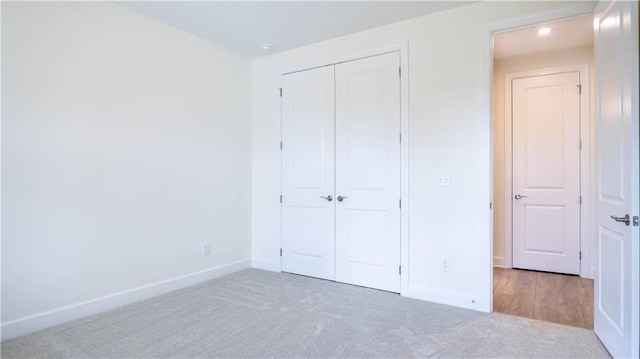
(206,248)
(445,265)
(444,180)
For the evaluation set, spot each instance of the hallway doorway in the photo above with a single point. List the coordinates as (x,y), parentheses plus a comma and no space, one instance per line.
(542,172)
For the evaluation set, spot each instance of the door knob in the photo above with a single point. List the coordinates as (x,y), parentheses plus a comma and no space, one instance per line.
(518,196)
(626,219)
(340,198)
(328,198)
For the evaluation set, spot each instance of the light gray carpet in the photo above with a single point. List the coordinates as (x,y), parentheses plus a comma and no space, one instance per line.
(254,313)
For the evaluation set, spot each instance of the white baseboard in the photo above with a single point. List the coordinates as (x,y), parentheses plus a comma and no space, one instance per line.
(266,264)
(32,323)
(456,299)
(498,261)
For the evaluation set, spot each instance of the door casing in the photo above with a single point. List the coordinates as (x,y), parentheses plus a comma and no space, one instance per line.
(586,171)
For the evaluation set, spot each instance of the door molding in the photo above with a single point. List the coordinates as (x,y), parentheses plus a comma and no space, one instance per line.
(485,156)
(403,49)
(586,159)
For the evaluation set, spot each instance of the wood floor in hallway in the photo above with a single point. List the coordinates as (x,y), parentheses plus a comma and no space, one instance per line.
(551,297)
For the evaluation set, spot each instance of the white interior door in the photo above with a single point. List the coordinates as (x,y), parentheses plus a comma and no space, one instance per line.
(546,172)
(368,172)
(616,314)
(308,173)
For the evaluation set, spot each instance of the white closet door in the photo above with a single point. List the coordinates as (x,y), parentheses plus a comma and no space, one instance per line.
(368,172)
(308,173)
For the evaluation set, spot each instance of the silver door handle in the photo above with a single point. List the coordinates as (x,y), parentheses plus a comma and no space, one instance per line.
(340,198)
(519,196)
(328,198)
(626,219)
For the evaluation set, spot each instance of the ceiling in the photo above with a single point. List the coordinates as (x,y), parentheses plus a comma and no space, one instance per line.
(571,33)
(243,26)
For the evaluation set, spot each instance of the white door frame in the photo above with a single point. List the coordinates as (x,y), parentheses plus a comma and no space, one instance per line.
(486,137)
(586,125)
(403,49)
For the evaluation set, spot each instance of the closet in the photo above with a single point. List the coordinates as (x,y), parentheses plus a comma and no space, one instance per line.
(341,172)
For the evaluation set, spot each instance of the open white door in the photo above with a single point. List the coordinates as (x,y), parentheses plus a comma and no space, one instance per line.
(308,211)
(616,317)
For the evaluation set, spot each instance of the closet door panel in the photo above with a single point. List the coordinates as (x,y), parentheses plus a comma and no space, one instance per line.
(308,133)
(368,172)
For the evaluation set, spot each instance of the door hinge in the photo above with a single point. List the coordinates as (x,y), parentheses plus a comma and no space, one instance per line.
(580,199)
(490,205)
(400,137)
(280,198)
(280,252)
(280,145)
(400,270)
(580,145)
(579,89)
(580,255)
(280,91)
(399,71)
(399,203)
(635,221)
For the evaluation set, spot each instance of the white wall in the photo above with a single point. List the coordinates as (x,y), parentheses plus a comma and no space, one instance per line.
(518,64)
(445,136)
(125,144)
